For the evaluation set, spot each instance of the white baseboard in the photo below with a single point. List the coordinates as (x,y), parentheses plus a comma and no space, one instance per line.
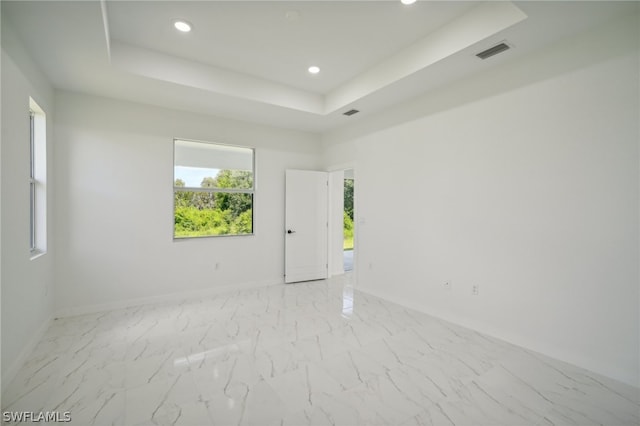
(11,372)
(517,340)
(24,354)
(187,295)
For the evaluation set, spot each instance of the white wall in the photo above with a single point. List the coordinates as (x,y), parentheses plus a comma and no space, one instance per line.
(114,176)
(524,181)
(27,285)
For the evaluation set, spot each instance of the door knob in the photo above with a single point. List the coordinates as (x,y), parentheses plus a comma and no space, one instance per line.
(289,231)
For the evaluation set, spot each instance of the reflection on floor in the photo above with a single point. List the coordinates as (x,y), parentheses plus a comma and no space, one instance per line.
(310,353)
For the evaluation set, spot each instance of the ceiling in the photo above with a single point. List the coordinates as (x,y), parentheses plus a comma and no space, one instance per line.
(248,60)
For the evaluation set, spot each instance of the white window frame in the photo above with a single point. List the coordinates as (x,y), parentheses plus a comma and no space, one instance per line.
(251,190)
(37,180)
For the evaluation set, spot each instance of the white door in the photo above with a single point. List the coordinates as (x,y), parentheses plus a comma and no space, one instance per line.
(306,222)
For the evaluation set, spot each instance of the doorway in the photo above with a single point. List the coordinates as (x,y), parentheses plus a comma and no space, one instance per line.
(342,213)
(348,221)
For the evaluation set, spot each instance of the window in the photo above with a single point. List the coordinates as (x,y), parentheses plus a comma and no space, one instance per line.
(213,188)
(37,179)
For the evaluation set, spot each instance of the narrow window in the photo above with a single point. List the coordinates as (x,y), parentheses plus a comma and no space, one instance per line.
(37,179)
(213,189)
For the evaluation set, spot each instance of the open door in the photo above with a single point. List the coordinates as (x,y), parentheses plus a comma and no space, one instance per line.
(306,222)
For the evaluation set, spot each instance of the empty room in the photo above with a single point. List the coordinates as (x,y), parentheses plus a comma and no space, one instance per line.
(320,212)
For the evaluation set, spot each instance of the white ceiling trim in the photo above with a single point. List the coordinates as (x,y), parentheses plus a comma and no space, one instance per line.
(479,23)
(168,68)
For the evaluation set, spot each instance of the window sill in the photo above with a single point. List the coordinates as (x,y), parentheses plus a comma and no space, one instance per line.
(199,237)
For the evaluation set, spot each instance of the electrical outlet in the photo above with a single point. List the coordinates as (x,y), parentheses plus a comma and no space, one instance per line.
(447,285)
(475,289)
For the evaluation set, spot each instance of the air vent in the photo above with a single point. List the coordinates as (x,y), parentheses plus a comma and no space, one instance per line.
(498,48)
(351,112)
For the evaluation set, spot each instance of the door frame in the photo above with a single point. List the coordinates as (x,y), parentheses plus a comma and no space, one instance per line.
(342,167)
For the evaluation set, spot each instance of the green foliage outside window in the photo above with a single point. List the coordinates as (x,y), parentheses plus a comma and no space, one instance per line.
(203,213)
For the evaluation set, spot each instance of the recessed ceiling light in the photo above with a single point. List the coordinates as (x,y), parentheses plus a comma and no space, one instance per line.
(292,15)
(314,70)
(408,2)
(182,26)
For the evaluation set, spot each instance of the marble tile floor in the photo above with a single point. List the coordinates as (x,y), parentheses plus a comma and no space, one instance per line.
(316,353)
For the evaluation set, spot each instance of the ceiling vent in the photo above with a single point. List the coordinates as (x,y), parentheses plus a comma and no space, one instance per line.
(498,48)
(351,112)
